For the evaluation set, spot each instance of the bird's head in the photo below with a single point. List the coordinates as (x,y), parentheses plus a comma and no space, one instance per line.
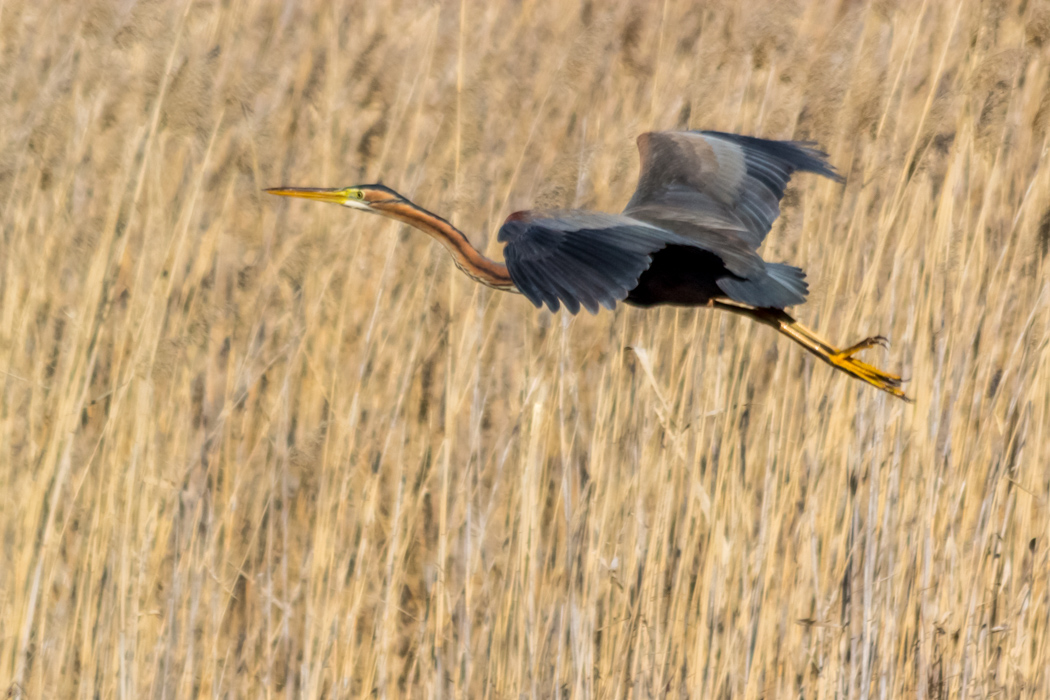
(373,198)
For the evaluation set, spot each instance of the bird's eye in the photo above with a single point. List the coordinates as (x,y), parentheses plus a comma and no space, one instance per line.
(356,194)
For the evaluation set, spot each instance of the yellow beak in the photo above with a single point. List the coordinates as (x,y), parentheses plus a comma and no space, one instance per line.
(335,195)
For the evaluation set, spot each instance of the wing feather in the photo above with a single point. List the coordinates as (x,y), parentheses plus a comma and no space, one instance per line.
(740,179)
(579,258)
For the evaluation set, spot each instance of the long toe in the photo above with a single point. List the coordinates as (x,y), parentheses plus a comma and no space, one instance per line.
(885,376)
(889,383)
(873,341)
(876,373)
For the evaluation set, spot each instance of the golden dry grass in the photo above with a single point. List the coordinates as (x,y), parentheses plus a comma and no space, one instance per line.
(260,448)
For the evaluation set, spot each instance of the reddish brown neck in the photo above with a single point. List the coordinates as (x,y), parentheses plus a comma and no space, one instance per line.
(467,258)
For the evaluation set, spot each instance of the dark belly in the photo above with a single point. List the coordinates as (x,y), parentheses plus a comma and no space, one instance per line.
(681,276)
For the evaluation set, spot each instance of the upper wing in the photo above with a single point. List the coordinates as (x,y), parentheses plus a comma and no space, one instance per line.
(579,258)
(718,182)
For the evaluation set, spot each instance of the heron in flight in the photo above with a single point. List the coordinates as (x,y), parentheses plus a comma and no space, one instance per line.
(689,236)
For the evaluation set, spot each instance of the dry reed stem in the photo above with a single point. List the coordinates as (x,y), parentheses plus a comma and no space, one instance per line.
(255,448)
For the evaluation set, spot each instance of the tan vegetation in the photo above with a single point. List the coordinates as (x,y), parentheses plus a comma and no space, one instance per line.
(259,448)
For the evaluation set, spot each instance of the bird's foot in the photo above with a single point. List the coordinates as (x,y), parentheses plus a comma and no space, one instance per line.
(844,360)
(846,355)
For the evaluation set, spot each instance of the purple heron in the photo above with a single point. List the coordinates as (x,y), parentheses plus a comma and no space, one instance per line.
(690,235)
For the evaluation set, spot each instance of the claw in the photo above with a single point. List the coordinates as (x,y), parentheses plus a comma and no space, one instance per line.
(876,340)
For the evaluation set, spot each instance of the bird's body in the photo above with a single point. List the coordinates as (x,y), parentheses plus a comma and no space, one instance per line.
(681,276)
(689,236)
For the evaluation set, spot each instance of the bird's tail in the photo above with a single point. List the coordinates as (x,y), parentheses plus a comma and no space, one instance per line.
(841,359)
(782,285)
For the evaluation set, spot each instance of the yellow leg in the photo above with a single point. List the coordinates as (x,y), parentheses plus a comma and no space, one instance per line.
(841,359)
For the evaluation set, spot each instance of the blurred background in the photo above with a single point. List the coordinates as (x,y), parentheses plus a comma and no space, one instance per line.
(262,448)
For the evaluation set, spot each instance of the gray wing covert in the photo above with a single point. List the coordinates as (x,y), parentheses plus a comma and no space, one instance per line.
(719,183)
(579,258)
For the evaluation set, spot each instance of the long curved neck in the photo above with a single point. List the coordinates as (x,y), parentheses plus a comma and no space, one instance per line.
(467,258)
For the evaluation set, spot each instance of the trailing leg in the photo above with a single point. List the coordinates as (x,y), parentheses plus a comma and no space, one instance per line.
(841,359)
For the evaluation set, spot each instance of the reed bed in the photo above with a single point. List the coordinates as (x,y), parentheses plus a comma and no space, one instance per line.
(259,448)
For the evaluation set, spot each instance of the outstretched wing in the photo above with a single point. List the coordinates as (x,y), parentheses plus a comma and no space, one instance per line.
(717,185)
(579,258)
